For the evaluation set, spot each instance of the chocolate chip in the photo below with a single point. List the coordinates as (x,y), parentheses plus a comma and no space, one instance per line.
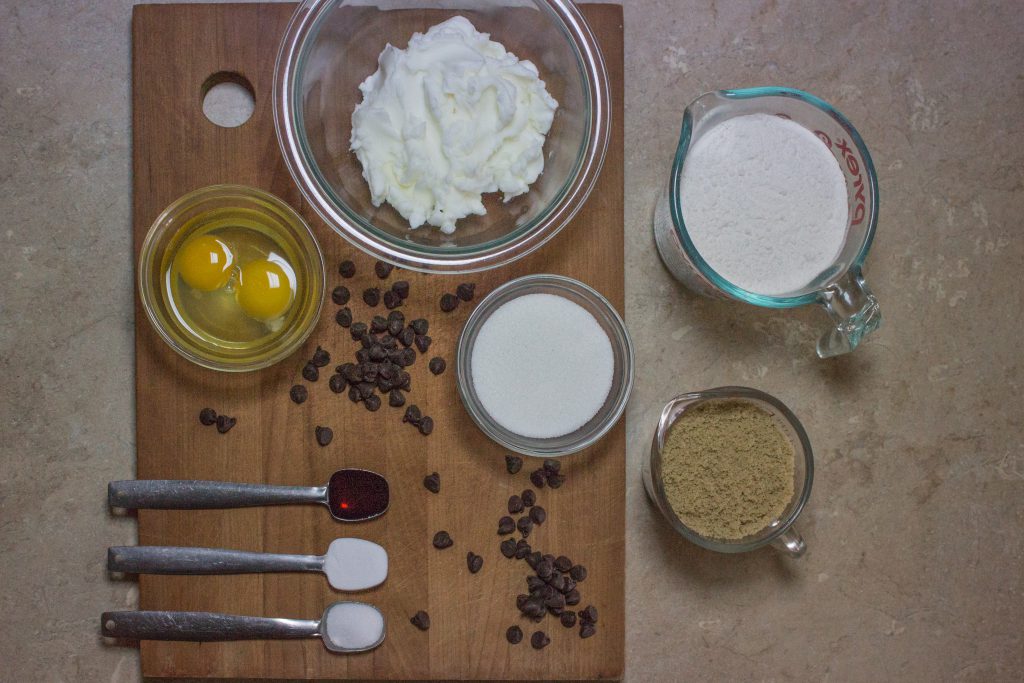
(426,426)
(354,395)
(324,435)
(525,525)
(371,296)
(421,620)
(572,597)
(412,415)
(225,423)
(474,562)
(372,403)
(562,563)
(347,269)
(365,390)
(378,353)
(340,295)
(537,478)
(533,608)
(396,399)
(508,548)
(529,498)
(555,603)
(405,357)
(337,383)
(208,416)
(513,463)
(506,525)
(568,584)
(437,365)
(378,324)
(568,618)
(297,393)
(578,573)
(523,550)
(587,629)
(442,540)
(343,317)
(407,337)
(534,583)
(351,372)
(420,326)
(552,466)
(382,269)
(539,640)
(589,614)
(432,482)
(310,373)
(401,288)
(465,291)
(515,505)
(391,300)
(544,569)
(358,331)
(395,326)
(538,515)
(449,302)
(533,559)
(423,343)
(556,480)
(514,635)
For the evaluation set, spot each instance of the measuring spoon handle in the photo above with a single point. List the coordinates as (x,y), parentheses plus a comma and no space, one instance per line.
(175,560)
(171,494)
(202,626)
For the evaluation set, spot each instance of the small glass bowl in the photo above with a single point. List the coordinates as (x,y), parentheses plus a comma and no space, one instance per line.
(622,376)
(779,532)
(191,213)
(331,46)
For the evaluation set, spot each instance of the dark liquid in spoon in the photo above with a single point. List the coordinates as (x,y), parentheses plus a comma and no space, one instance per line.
(354,495)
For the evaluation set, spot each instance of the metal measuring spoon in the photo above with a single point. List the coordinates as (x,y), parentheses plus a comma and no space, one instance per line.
(352,495)
(351,564)
(344,627)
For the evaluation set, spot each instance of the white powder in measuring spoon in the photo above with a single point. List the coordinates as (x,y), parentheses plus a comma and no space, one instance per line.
(542,366)
(353,625)
(764,202)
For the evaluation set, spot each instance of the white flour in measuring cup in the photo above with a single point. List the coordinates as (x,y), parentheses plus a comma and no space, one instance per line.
(764,202)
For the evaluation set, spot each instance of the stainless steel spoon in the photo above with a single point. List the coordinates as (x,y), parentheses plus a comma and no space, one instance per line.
(344,627)
(351,564)
(352,495)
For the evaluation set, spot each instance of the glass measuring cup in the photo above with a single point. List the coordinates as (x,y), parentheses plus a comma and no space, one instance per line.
(779,532)
(840,289)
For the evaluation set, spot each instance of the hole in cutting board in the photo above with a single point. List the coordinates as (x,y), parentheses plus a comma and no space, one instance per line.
(228,99)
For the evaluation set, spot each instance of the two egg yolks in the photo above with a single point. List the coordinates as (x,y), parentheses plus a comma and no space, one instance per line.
(263,291)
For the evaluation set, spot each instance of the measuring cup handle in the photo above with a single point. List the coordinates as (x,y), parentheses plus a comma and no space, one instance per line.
(791,542)
(854,312)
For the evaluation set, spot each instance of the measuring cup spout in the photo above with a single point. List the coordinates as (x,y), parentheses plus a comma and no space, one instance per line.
(854,312)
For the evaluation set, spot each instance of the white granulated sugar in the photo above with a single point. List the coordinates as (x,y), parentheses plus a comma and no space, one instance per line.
(542,366)
(354,625)
(764,202)
(352,564)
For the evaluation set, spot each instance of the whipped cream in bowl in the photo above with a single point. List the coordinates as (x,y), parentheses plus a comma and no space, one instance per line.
(443,141)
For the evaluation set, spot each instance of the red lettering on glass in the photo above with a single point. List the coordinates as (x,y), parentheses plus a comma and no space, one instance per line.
(824,138)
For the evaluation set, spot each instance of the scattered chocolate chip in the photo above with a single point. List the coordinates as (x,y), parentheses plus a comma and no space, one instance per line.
(568,584)
(508,548)
(297,393)
(423,342)
(378,324)
(371,296)
(589,614)
(537,478)
(407,337)
(555,603)
(523,550)
(544,568)
(225,423)
(513,463)
(354,395)
(506,525)
(421,620)
(449,302)
(343,317)
(347,269)
(465,291)
(396,399)
(578,573)
(514,635)
(437,365)
(372,403)
(538,515)
(443,540)
(529,498)
(572,597)
(208,416)
(534,583)
(310,373)
(568,618)
(377,353)
(337,383)
(321,358)
(562,563)
(358,331)
(420,326)
(587,629)
(556,581)
(324,435)
(556,480)
(401,288)
(382,269)
(515,505)
(426,426)
(391,300)
(525,525)
(533,608)
(395,326)
(432,482)
(533,559)
(474,562)
(340,295)
(405,357)
(412,415)
(551,466)
(539,640)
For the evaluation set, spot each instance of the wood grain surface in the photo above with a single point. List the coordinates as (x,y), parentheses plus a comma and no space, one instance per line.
(176,48)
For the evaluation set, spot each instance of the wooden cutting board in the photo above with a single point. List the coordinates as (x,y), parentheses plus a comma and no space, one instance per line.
(176,48)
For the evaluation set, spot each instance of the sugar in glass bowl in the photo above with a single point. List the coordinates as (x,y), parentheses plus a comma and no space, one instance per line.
(331,46)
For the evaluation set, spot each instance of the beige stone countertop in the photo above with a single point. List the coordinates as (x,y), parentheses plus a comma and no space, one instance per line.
(915,528)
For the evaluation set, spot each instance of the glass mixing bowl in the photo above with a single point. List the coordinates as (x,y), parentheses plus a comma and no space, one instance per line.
(331,46)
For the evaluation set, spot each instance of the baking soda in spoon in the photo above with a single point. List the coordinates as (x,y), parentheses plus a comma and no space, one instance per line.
(352,564)
(352,626)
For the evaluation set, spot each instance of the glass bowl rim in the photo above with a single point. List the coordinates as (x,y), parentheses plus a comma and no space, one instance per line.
(514,245)
(679,225)
(147,253)
(522,286)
